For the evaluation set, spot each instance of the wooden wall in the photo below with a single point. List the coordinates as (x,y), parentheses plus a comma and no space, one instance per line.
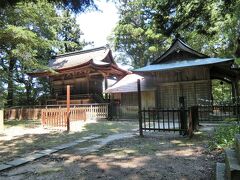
(193,84)
(193,93)
(128,107)
(182,75)
(84,85)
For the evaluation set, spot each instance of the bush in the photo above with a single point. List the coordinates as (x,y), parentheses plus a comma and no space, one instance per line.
(223,137)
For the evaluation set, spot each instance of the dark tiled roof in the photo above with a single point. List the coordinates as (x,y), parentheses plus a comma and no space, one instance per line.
(179,50)
(100,56)
(182,64)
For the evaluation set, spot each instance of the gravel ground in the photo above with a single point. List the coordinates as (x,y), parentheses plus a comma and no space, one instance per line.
(155,156)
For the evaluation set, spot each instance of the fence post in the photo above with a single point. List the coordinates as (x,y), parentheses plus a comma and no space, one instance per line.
(193,120)
(139,107)
(183,117)
(91,112)
(1,120)
(195,117)
(68,108)
(110,111)
(190,123)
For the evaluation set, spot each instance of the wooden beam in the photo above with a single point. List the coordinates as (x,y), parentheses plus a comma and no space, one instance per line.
(139,107)
(68,108)
(180,82)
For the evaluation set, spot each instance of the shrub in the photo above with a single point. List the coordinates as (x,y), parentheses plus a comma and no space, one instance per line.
(223,136)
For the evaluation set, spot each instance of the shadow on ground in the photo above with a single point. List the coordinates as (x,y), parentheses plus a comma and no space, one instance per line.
(15,146)
(155,156)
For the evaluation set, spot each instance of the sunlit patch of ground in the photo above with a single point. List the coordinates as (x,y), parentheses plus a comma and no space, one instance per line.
(150,157)
(155,156)
(22,137)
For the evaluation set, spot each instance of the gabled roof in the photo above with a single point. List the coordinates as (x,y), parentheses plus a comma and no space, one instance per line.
(178,51)
(182,64)
(129,84)
(99,56)
(100,59)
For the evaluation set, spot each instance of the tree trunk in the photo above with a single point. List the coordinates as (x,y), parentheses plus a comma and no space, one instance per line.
(237,52)
(28,87)
(10,83)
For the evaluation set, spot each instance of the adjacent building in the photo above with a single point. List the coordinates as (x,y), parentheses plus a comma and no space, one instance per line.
(179,73)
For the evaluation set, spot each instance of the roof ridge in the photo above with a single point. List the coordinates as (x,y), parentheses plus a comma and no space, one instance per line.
(168,51)
(81,51)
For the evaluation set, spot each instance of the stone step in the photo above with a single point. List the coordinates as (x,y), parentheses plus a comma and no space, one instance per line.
(220,171)
(237,145)
(232,165)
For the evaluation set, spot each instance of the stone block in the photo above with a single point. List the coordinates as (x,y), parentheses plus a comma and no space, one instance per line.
(5,167)
(220,171)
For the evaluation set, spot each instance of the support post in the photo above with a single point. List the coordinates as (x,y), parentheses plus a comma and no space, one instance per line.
(105,87)
(1,120)
(68,108)
(183,117)
(237,99)
(193,120)
(139,107)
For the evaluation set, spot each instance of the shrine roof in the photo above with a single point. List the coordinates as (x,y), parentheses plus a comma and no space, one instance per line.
(179,50)
(99,56)
(182,64)
(100,59)
(129,84)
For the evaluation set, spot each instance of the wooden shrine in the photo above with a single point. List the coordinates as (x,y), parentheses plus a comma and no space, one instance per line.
(179,73)
(87,72)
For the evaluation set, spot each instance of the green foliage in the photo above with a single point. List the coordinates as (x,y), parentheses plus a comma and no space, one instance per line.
(30,34)
(224,136)
(221,92)
(147,28)
(73,5)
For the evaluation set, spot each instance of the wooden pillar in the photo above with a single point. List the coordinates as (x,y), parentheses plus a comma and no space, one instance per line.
(63,85)
(88,82)
(157,102)
(1,121)
(68,108)
(233,92)
(237,91)
(139,107)
(235,98)
(183,117)
(105,86)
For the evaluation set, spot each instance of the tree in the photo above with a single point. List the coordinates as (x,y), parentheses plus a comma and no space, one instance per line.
(70,33)
(147,28)
(74,5)
(30,34)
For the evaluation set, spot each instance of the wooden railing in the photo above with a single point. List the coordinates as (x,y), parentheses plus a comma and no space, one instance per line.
(93,111)
(21,113)
(54,118)
(57,117)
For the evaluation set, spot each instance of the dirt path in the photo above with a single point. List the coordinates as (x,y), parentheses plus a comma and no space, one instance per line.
(158,156)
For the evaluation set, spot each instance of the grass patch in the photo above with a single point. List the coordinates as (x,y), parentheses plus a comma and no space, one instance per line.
(223,136)
(231,119)
(50,170)
(21,123)
(152,144)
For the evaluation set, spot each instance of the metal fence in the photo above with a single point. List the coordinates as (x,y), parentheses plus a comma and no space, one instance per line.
(164,120)
(219,113)
(182,120)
